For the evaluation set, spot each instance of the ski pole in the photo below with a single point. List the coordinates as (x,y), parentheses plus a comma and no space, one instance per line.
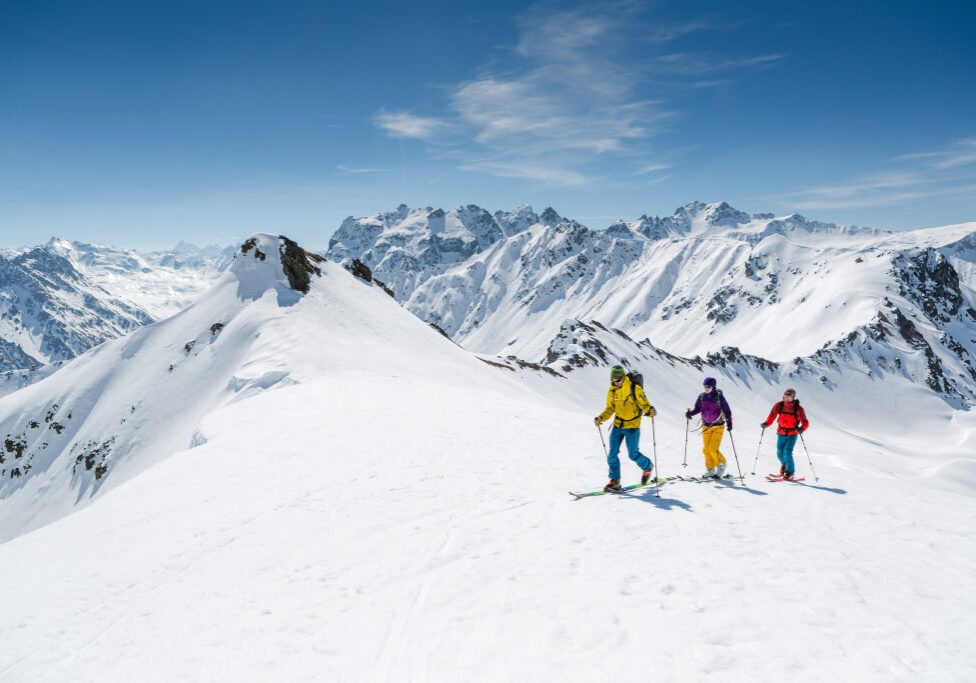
(805,450)
(657,468)
(756,462)
(736,458)
(605,453)
(684,463)
(741,478)
(654,447)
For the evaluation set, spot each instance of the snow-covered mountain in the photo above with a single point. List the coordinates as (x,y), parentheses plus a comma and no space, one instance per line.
(49,311)
(160,282)
(405,247)
(295,478)
(131,402)
(707,277)
(63,298)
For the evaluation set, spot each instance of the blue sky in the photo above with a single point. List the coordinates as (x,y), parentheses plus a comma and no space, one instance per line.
(144,123)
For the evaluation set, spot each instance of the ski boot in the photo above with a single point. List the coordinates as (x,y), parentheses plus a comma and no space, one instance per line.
(720,470)
(646,476)
(614,485)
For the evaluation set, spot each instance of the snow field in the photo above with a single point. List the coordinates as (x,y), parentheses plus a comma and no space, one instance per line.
(307,539)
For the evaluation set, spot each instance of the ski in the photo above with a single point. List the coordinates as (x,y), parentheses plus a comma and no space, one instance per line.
(777,477)
(699,480)
(623,489)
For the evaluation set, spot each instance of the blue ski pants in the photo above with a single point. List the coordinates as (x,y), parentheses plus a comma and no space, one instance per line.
(632,437)
(784,451)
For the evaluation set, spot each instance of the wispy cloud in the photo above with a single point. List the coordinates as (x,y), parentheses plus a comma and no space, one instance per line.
(651,168)
(572,99)
(714,83)
(667,33)
(545,173)
(403,124)
(573,94)
(959,153)
(655,181)
(354,170)
(529,111)
(924,180)
(698,64)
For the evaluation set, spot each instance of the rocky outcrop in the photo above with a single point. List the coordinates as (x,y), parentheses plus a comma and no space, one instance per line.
(362,271)
(298,264)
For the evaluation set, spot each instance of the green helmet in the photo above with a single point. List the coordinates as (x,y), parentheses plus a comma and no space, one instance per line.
(617,372)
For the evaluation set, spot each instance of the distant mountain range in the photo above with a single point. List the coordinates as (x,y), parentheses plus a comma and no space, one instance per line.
(62,298)
(707,277)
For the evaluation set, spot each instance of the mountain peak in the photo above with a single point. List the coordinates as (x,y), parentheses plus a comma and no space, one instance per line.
(516,220)
(717,214)
(266,262)
(60,243)
(550,217)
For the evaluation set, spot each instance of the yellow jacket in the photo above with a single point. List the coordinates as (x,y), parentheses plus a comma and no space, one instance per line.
(621,403)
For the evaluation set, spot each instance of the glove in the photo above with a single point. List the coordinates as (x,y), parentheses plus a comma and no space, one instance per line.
(730,425)
(651,412)
(763,425)
(596,421)
(799,430)
(688,414)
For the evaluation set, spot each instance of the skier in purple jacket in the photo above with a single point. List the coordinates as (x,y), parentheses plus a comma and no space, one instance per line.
(715,414)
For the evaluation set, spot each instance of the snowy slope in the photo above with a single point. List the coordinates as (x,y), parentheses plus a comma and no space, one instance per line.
(131,402)
(705,278)
(395,509)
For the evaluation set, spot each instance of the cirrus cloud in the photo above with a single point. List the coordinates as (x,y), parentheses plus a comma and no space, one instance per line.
(573,95)
(407,125)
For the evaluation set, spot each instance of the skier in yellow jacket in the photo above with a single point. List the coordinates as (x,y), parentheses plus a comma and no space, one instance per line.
(627,401)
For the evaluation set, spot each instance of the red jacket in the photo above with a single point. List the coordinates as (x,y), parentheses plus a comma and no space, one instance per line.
(789,421)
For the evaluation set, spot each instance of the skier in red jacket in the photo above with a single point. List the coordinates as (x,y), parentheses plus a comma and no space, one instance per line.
(792,421)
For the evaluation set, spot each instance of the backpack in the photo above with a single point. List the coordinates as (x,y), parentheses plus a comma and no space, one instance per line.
(636,380)
(795,415)
(717,393)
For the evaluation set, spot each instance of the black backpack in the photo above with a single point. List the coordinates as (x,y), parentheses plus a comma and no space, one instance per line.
(636,380)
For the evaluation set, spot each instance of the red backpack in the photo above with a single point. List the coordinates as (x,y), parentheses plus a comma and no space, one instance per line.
(788,421)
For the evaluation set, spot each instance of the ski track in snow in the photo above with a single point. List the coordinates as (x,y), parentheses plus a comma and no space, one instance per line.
(456,556)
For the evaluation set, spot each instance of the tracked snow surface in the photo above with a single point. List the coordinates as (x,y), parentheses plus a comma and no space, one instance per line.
(296,479)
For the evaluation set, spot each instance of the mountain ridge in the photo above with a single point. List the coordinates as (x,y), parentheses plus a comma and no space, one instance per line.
(707,277)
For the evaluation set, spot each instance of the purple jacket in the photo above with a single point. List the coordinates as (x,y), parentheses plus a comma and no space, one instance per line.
(711,406)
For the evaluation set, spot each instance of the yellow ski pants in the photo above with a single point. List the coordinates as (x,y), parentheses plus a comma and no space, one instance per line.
(711,439)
